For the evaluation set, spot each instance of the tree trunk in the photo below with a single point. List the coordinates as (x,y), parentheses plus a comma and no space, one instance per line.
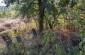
(41,15)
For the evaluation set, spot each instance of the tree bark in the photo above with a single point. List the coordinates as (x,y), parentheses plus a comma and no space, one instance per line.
(41,15)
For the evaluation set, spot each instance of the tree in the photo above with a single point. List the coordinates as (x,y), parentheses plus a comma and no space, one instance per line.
(41,14)
(44,8)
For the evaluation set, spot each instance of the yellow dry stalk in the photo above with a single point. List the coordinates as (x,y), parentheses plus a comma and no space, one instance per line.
(62,21)
(24,29)
(12,34)
(32,24)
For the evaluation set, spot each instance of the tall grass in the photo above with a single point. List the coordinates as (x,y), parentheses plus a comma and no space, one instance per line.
(7,13)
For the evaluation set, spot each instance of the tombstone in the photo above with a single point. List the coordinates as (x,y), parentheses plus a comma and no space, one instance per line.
(8,43)
(7,39)
(34,32)
(18,38)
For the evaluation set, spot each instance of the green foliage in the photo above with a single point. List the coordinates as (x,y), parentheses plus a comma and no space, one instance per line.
(59,49)
(82,32)
(73,3)
(5,14)
(64,3)
(27,8)
(48,38)
(15,49)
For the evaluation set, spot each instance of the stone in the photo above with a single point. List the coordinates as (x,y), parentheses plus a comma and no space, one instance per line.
(18,38)
(34,32)
(8,43)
